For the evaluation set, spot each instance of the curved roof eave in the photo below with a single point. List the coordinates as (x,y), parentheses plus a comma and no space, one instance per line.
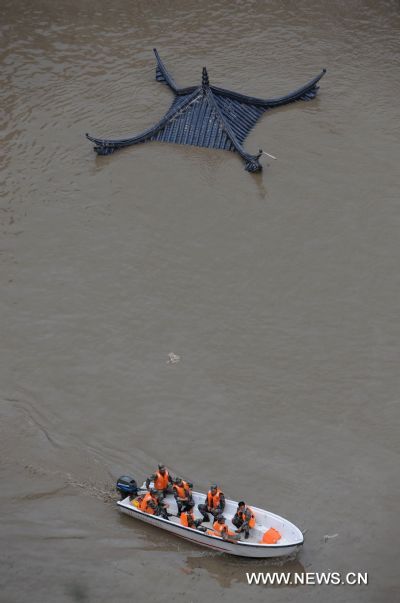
(163,75)
(110,145)
(271,102)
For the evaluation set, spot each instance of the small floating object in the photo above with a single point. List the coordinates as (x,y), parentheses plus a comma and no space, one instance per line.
(272,536)
(329,537)
(269,155)
(208,116)
(173,358)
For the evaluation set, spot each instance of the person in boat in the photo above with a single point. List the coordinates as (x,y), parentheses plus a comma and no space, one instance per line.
(244,519)
(187,517)
(149,502)
(214,503)
(182,493)
(152,504)
(221,529)
(162,481)
(162,507)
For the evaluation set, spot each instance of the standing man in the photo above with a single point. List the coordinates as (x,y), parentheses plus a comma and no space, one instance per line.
(214,503)
(162,481)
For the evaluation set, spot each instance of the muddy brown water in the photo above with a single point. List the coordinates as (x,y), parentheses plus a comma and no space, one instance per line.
(279,292)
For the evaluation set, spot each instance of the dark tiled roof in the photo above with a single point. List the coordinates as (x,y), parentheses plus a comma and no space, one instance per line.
(207,116)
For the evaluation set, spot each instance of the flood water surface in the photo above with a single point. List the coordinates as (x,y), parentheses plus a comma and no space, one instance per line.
(278,291)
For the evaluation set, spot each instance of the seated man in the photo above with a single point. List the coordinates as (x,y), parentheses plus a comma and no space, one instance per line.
(148,503)
(151,503)
(221,529)
(214,503)
(162,481)
(244,519)
(162,507)
(187,517)
(182,493)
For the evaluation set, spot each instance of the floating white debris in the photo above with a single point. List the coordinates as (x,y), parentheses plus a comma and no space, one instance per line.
(327,537)
(173,358)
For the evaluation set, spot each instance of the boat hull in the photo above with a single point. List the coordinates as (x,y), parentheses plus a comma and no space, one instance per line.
(241,548)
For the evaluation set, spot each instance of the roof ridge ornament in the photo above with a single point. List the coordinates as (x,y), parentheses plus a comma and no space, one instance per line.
(205,82)
(216,118)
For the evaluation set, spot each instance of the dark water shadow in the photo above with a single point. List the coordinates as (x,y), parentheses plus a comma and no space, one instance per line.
(77,591)
(229,570)
(258,179)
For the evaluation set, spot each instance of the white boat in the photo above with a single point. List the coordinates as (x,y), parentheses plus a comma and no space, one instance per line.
(289,543)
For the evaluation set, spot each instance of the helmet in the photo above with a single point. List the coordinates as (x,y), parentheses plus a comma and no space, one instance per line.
(213,487)
(190,504)
(221,518)
(178,480)
(161,466)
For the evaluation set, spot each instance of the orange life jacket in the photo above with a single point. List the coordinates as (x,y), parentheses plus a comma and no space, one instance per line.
(144,503)
(271,536)
(161,481)
(218,528)
(183,490)
(213,500)
(242,516)
(185,518)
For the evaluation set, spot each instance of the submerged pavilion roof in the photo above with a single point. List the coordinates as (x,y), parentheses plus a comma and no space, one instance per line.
(207,116)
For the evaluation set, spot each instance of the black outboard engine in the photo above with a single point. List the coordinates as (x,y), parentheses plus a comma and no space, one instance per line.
(127,486)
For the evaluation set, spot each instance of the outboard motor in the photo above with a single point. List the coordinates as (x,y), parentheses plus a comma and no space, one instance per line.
(127,486)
